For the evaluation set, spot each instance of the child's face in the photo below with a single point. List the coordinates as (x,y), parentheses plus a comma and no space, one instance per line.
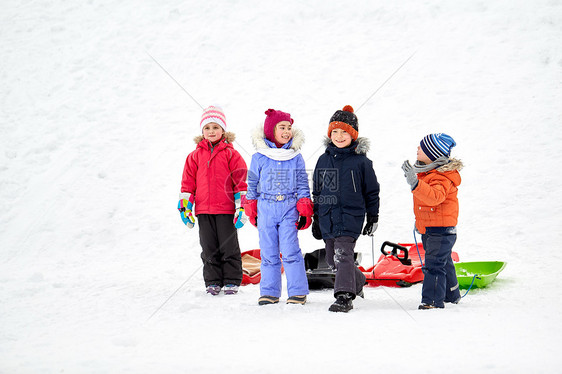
(422,157)
(340,138)
(283,132)
(212,132)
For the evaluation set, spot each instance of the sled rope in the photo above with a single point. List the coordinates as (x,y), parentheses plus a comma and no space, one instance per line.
(373,253)
(416,241)
(473,278)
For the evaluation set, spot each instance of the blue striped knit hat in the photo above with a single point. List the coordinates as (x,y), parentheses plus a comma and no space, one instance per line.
(437,145)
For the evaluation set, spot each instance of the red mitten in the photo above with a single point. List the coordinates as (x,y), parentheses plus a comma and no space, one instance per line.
(303,223)
(251,210)
(305,207)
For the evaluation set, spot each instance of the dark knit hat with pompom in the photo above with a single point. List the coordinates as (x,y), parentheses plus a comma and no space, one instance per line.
(346,120)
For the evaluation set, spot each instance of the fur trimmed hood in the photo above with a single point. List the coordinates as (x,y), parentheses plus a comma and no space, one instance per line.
(228,136)
(454,164)
(363,144)
(258,139)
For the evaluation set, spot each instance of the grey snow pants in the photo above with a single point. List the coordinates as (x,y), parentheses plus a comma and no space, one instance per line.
(340,256)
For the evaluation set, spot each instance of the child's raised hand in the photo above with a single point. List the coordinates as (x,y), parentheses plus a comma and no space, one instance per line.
(410,175)
(185,206)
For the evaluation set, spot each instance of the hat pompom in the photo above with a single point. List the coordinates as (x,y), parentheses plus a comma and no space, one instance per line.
(345,119)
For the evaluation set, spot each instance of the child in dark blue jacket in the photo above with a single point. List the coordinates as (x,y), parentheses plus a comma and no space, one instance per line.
(345,189)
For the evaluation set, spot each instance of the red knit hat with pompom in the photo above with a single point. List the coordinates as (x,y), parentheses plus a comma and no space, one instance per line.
(346,120)
(272,119)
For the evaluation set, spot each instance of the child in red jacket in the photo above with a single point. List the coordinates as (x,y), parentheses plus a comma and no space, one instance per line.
(434,181)
(214,180)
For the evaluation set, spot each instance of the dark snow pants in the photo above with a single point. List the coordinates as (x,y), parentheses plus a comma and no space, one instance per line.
(340,256)
(440,279)
(222,263)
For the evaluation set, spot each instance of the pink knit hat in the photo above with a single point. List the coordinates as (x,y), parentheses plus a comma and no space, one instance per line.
(272,119)
(213,114)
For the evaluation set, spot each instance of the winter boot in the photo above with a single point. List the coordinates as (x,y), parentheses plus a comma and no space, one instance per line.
(266,300)
(425,306)
(297,300)
(343,303)
(213,289)
(231,289)
(453,301)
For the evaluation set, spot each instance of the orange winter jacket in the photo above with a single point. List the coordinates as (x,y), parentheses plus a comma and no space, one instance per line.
(435,197)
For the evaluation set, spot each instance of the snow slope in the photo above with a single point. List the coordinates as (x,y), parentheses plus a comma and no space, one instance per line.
(99,275)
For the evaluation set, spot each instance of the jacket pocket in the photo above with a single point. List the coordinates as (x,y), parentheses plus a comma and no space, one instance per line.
(429,214)
(353,222)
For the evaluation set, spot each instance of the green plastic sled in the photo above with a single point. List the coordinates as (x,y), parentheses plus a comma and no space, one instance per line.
(485,271)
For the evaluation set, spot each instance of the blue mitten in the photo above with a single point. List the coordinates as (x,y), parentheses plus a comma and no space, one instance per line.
(185,206)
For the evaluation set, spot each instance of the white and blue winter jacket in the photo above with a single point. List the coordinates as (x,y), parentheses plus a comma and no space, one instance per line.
(277,173)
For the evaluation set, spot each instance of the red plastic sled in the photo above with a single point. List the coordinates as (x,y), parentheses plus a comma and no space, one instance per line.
(251,262)
(399,268)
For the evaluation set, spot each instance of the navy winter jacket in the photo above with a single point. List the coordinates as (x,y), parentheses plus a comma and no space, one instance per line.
(345,188)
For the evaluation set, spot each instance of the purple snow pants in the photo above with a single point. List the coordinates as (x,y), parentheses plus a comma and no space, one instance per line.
(278,235)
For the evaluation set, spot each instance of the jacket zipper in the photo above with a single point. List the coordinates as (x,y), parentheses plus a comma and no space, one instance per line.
(353,181)
(209,179)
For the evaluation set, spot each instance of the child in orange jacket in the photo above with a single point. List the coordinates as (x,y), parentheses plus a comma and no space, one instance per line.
(434,181)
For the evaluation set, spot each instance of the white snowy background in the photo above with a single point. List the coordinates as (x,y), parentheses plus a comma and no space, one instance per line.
(99,275)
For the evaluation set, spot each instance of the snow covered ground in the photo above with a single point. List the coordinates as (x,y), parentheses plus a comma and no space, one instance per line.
(94,134)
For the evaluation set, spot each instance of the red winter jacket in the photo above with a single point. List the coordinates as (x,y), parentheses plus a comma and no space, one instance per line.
(214,175)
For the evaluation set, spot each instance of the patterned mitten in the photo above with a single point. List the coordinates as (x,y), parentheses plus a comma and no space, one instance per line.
(185,206)
(240,217)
